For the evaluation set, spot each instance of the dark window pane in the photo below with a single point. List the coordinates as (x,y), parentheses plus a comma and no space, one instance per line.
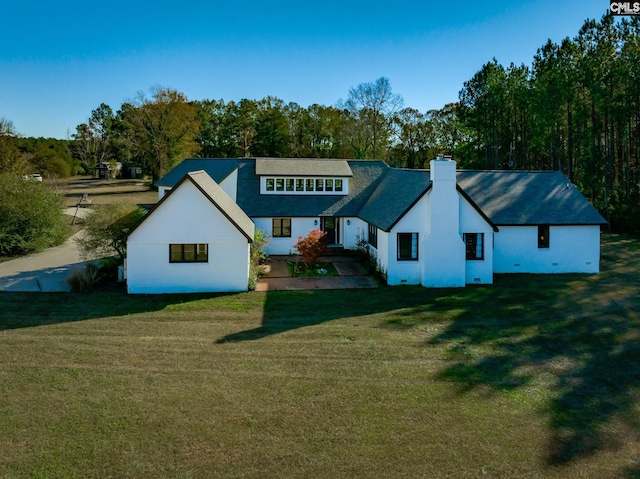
(175,253)
(189,252)
(408,246)
(203,253)
(543,236)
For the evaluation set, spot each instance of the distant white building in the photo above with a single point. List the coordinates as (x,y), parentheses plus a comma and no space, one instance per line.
(437,228)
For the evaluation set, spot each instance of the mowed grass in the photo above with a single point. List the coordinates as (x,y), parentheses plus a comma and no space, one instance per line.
(532,377)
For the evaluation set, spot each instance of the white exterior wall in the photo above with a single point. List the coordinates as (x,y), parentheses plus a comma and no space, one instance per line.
(477,271)
(406,271)
(383,251)
(230,185)
(572,249)
(187,217)
(285,246)
(353,232)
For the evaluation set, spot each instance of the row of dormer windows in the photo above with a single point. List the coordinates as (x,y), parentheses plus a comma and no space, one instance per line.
(301,185)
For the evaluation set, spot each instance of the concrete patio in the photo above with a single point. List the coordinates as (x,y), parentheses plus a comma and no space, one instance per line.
(352,275)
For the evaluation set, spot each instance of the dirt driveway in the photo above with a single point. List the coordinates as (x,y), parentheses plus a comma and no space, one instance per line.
(43,272)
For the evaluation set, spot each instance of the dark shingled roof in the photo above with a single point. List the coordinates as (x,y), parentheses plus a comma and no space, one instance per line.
(395,194)
(302,167)
(381,195)
(528,198)
(218,169)
(366,175)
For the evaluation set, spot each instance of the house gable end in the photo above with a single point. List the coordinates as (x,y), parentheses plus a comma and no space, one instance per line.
(215,195)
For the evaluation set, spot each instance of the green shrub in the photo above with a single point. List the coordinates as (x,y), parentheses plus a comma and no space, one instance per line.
(257,257)
(31,216)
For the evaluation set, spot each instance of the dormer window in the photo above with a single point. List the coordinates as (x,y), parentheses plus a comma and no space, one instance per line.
(303,176)
(297,186)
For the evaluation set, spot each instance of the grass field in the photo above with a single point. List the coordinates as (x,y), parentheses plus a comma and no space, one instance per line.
(533,377)
(106,191)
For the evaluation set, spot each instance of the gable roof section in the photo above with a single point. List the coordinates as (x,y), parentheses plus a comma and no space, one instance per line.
(366,176)
(395,194)
(398,192)
(382,195)
(217,168)
(528,198)
(217,196)
(302,167)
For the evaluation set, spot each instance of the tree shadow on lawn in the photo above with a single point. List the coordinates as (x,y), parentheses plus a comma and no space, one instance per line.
(578,334)
(288,310)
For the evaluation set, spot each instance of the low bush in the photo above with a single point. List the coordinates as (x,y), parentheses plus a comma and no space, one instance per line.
(85,280)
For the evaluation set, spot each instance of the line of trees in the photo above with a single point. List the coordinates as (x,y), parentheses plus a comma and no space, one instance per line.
(575,109)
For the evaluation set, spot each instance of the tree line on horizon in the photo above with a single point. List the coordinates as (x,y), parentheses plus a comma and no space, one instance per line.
(576,109)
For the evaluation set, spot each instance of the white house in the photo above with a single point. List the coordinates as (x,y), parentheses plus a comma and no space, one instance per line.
(195,239)
(438,227)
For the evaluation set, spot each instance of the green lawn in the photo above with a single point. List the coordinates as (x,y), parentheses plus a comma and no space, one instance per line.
(533,377)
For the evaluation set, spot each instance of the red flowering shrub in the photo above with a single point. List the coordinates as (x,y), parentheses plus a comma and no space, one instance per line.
(312,247)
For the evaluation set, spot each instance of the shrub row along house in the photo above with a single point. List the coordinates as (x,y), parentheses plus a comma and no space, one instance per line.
(437,228)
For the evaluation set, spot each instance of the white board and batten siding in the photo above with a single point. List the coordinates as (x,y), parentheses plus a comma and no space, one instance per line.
(187,217)
(572,249)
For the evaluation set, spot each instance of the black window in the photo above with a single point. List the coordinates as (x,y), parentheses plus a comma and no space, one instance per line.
(408,246)
(270,186)
(299,184)
(329,185)
(474,243)
(309,184)
(373,236)
(281,228)
(543,236)
(319,185)
(189,253)
(289,184)
(338,185)
(279,184)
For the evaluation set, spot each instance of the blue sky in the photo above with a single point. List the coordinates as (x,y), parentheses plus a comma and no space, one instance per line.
(60,60)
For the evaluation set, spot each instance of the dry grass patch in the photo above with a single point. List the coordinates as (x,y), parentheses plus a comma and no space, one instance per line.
(108,191)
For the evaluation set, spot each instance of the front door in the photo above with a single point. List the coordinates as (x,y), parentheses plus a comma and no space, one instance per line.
(331,226)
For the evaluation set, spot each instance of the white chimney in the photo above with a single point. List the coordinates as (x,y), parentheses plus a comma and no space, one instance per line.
(445,262)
